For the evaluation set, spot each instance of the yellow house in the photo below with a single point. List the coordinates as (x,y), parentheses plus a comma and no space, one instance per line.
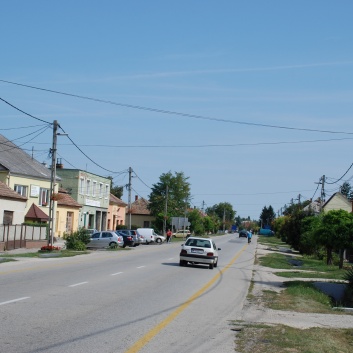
(67,213)
(337,202)
(116,212)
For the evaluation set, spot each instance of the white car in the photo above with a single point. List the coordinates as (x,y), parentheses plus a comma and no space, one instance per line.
(182,233)
(148,236)
(198,250)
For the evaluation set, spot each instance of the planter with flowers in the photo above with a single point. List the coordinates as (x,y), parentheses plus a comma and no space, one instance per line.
(49,251)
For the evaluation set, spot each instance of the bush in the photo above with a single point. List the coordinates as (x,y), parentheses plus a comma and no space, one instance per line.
(77,240)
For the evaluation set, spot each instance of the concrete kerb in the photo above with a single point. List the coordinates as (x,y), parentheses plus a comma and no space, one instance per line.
(265,278)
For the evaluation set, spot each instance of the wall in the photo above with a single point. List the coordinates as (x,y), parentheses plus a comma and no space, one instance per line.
(18,208)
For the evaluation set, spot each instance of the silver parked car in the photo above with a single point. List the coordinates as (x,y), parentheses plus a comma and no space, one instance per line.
(104,239)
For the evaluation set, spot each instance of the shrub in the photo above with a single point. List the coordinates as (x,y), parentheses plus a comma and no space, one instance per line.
(77,240)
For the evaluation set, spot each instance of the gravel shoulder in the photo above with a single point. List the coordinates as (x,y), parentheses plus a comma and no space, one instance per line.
(264,278)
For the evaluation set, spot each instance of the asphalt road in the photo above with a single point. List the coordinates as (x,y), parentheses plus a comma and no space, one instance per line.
(128,301)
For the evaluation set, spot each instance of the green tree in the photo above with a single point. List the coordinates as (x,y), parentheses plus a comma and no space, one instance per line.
(224,213)
(267,216)
(116,190)
(173,191)
(196,220)
(335,232)
(346,190)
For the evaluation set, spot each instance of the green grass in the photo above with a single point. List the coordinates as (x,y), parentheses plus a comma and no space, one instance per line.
(298,296)
(309,267)
(62,253)
(280,338)
(272,241)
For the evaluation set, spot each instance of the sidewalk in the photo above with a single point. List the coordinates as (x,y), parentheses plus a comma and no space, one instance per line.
(57,242)
(265,278)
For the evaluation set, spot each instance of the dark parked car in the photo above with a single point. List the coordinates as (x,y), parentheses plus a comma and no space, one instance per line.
(133,233)
(127,238)
(243,233)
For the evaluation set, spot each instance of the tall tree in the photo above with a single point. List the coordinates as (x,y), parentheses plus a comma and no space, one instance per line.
(171,193)
(267,216)
(224,212)
(346,190)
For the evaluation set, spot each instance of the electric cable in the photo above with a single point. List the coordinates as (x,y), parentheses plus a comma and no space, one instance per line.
(341,176)
(169,112)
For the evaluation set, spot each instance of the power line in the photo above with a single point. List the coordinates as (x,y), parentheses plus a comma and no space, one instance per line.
(11,105)
(341,176)
(170,112)
(20,127)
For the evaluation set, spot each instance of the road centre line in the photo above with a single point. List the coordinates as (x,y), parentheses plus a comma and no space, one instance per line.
(14,300)
(118,273)
(141,267)
(159,327)
(78,284)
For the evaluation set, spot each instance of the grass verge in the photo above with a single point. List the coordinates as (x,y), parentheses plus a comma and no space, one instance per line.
(280,338)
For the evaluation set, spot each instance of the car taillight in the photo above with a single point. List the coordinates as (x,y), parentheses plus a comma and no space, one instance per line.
(129,238)
(210,254)
(183,252)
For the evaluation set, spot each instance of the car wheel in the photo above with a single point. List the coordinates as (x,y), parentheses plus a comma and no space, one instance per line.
(113,245)
(211,266)
(216,263)
(158,240)
(182,263)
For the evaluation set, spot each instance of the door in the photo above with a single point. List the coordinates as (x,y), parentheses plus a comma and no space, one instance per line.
(95,240)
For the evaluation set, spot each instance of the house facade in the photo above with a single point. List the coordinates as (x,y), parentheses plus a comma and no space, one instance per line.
(12,206)
(91,192)
(116,212)
(337,202)
(67,214)
(25,175)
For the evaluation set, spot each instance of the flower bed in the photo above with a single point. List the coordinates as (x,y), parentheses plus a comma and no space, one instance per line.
(48,248)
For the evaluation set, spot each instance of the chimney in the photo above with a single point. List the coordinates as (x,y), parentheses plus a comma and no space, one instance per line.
(136,197)
(59,165)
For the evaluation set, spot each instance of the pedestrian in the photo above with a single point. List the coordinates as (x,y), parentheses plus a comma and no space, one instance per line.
(249,236)
(169,236)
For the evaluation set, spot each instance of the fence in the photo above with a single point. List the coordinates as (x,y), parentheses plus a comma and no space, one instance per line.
(22,236)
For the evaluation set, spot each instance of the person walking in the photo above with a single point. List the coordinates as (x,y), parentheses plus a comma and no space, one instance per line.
(249,236)
(169,236)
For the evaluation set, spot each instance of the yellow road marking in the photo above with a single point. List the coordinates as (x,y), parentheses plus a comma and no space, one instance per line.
(155,330)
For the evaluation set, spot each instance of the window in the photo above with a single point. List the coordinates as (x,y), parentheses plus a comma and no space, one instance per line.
(43,197)
(88,187)
(82,186)
(21,189)
(106,191)
(8,217)
(94,188)
(100,190)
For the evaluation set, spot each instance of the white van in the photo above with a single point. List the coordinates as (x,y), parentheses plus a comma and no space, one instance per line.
(148,235)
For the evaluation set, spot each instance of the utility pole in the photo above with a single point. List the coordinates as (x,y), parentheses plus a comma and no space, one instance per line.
(224,219)
(129,199)
(165,211)
(52,186)
(322,201)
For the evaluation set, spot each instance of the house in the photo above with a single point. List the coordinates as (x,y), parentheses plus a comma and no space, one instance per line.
(91,192)
(67,213)
(337,202)
(12,205)
(25,175)
(314,206)
(139,216)
(116,212)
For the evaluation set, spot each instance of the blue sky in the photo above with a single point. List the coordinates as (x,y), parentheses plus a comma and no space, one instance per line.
(254,83)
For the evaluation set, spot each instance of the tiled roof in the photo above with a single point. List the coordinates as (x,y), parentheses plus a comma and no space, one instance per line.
(64,199)
(7,193)
(115,200)
(18,162)
(140,206)
(35,212)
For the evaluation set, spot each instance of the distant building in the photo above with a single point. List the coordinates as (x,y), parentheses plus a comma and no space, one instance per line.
(140,214)
(92,192)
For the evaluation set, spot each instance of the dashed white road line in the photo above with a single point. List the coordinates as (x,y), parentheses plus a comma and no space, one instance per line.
(78,284)
(14,300)
(141,266)
(118,273)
